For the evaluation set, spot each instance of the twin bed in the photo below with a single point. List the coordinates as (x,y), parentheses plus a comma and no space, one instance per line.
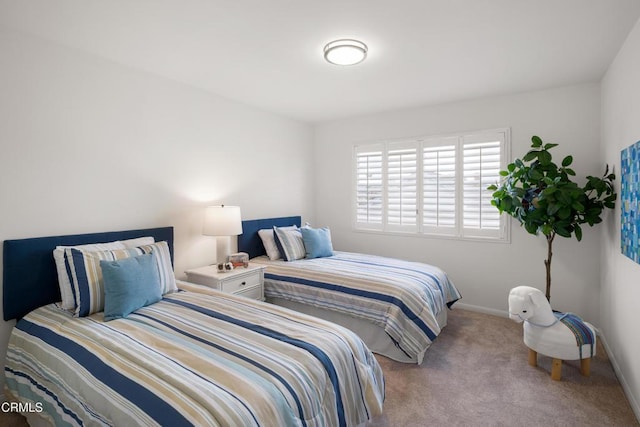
(202,357)
(197,357)
(397,307)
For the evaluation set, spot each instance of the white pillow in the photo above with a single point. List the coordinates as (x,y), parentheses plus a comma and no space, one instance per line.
(269,241)
(64,281)
(138,241)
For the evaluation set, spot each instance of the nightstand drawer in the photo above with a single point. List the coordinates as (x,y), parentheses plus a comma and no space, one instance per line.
(237,284)
(253,293)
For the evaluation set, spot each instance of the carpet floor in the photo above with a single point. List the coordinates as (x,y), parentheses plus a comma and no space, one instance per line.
(476,373)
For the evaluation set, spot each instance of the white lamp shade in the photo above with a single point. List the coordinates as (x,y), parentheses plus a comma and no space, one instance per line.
(222,221)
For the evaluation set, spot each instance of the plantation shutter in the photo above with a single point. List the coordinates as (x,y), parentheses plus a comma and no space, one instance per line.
(402,186)
(481,156)
(369,186)
(439,186)
(432,186)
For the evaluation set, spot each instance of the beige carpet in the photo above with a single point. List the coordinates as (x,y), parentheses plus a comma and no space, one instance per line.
(476,374)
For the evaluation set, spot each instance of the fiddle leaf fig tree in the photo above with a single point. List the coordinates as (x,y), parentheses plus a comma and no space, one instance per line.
(541,195)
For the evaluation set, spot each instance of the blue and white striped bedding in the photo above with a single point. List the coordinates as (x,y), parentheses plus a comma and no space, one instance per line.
(194,358)
(403,297)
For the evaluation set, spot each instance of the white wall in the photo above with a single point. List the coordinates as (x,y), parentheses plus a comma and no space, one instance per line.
(620,294)
(88,145)
(483,272)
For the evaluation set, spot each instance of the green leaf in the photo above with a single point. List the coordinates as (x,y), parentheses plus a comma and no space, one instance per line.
(578,231)
(531,228)
(506,203)
(562,231)
(544,157)
(567,161)
(578,206)
(530,155)
(564,213)
(536,141)
(549,146)
(552,209)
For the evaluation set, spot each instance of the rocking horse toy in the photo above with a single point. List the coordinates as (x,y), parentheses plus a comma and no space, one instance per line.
(561,336)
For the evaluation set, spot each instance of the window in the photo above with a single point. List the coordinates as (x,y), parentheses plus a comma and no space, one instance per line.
(432,185)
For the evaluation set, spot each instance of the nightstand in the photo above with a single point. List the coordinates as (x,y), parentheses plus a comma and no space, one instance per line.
(247,282)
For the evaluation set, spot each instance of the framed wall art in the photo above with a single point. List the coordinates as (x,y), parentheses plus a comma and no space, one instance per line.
(629,196)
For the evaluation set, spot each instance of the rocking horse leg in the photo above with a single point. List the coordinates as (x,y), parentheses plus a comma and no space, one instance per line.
(533,358)
(556,369)
(585,367)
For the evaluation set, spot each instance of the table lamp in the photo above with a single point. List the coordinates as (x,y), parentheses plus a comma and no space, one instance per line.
(222,222)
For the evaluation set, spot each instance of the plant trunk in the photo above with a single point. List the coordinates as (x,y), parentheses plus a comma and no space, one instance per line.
(547,263)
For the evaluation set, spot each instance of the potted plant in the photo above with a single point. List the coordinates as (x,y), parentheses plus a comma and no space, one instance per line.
(542,196)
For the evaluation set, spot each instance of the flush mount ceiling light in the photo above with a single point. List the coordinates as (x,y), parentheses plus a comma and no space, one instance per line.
(345,52)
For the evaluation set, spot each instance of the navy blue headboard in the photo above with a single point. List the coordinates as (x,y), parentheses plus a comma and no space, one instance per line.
(249,241)
(29,272)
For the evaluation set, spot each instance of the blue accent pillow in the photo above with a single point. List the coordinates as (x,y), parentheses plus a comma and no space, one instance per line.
(317,242)
(129,284)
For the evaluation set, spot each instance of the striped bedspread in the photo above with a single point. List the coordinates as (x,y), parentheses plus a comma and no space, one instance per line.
(195,358)
(403,297)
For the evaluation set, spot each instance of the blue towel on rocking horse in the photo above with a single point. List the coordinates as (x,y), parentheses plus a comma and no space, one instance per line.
(582,332)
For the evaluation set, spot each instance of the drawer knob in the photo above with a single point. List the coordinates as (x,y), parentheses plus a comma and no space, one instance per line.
(243,283)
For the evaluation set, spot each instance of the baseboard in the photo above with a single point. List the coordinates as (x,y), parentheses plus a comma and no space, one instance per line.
(635,406)
(480,309)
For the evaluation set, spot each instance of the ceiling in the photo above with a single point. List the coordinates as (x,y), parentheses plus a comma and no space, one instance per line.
(268,53)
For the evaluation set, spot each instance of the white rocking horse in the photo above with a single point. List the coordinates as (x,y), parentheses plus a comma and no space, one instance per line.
(557,335)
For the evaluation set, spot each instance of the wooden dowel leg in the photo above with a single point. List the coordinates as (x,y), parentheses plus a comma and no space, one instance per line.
(533,358)
(585,367)
(556,369)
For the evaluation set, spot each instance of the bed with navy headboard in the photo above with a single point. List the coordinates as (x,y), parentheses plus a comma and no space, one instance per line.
(196,356)
(29,272)
(249,241)
(397,307)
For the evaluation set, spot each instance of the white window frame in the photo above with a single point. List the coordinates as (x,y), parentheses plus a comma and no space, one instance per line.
(458,230)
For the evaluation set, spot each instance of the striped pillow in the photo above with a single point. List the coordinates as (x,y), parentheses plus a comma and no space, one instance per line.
(86,276)
(160,251)
(64,276)
(290,243)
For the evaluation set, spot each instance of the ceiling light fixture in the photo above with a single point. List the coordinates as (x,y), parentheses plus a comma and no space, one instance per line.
(345,52)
